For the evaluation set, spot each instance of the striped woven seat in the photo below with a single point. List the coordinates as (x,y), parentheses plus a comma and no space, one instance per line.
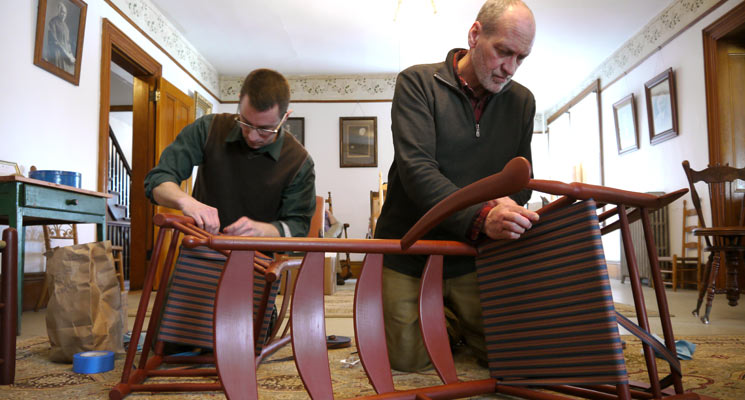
(188,313)
(547,304)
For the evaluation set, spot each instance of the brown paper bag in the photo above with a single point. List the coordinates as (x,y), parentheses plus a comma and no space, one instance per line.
(84,311)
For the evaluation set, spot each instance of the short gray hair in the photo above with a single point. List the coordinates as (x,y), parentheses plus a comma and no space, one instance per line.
(492,10)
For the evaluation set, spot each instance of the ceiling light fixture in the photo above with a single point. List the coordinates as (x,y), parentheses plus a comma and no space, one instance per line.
(398,7)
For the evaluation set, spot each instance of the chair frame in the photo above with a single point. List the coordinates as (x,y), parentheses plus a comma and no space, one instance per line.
(8,305)
(725,236)
(307,311)
(133,378)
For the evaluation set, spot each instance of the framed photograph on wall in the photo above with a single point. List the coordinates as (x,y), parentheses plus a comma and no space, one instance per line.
(296,127)
(662,112)
(202,106)
(60,25)
(624,113)
(358,142)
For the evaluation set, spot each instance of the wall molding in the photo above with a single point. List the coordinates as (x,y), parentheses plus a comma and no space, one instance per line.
(327,88)
(663,28)
(156,27)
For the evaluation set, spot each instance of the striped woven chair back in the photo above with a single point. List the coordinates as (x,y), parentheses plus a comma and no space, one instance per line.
(547,304)
(188,314)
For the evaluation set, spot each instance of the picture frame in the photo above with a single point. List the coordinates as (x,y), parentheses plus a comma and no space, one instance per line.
(202,106)
(9,168)
(662,110)
(296,127)
(358,142)
(60,27)
(624,114)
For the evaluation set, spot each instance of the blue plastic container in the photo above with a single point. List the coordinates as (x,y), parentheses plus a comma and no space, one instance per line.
(68,178)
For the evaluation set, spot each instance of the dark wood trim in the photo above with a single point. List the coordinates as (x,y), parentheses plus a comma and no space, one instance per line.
(118,47)
(711,34)
(324,101)
(593,87)
(120,108)
(126,17)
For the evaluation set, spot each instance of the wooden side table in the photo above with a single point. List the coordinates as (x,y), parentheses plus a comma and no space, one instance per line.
(25,202)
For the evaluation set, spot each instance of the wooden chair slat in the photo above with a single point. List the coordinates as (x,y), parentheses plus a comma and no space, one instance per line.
(309,329)
(234,341)
(432,320)
(368,324)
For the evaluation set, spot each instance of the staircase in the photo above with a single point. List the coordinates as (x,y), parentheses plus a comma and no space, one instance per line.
(118,223)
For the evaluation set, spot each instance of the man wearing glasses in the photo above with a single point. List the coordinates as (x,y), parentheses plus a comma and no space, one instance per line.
(253,179)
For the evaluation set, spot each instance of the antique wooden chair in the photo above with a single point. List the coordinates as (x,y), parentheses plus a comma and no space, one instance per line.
(8,305)
(686,267)
(725,234)
(585,329)
(182,312)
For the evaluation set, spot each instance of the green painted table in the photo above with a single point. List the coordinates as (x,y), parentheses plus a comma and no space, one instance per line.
(26,201)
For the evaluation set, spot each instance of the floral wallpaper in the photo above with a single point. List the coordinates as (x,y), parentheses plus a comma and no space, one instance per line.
(151,21)
(352,87)
(660,29)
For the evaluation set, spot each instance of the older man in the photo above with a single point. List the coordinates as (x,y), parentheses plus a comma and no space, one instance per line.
(253,179)
(454,123)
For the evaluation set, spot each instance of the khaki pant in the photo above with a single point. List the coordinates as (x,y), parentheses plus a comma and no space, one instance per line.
(406,349)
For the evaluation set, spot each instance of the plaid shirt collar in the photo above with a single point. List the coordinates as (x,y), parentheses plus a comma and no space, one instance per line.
(478,103)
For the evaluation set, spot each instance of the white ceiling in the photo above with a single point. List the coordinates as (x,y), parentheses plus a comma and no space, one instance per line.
(322,37)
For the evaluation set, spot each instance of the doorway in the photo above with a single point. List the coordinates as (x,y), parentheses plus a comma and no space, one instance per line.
(724,66)
(122,52)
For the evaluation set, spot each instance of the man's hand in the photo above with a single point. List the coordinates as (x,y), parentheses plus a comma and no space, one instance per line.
(245,226)
(508,220)
(205,217)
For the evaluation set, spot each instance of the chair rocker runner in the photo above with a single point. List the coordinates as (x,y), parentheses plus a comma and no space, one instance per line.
(553,304)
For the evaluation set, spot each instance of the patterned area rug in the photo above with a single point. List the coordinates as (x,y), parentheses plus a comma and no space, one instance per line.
(717,370)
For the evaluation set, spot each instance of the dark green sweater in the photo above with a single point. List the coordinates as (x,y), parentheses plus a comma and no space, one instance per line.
(274,184)
(437,152)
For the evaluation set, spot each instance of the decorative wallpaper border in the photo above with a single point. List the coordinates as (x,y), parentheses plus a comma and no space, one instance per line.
(667,24)
(323,87)
(148,18)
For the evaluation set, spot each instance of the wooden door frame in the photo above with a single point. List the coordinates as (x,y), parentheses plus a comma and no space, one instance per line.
(718,30)
(118,47)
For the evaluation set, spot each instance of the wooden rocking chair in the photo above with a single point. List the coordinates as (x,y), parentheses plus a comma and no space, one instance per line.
(578,350)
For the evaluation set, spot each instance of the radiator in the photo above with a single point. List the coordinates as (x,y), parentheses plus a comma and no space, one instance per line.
(661,232)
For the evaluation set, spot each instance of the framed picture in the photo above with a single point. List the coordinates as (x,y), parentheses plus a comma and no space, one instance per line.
(662,111)
(358,142)
(60,25)
(296,127)
(8,168)
(202,106)
(624,113)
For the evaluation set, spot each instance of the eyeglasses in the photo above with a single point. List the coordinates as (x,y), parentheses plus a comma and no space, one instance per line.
(263,131)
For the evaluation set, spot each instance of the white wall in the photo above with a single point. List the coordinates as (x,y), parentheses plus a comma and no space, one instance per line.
(658,167)
(350,187)
(48,122)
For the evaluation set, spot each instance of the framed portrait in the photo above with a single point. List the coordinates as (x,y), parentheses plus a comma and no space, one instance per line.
(296,127)
(358,142)
(662,112)
(60,25)
(202,106)
(8,168)
(624,113)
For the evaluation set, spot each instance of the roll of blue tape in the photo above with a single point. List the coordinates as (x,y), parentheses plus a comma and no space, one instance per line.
(93,362)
